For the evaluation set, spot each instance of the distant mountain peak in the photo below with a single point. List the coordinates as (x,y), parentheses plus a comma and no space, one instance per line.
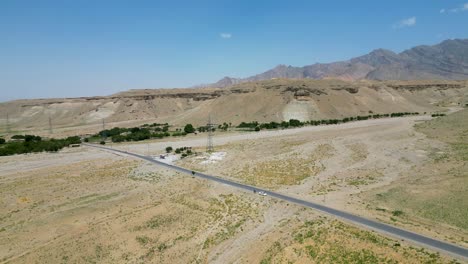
(446,60)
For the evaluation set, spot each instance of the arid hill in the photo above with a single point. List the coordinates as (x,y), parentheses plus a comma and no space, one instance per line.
(263,101)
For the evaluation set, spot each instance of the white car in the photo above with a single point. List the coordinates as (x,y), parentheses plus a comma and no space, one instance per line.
(262,193)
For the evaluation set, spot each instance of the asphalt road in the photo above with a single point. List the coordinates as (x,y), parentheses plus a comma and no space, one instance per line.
(445,247)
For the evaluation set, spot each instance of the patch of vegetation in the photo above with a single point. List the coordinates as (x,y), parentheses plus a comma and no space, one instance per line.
(143,240)
(33,144)
(232,212)
(272,251)
(144,132)
(160,220)
(335,242)
(184,151)
(296,123)
(437,190)
(397,213)
(189,128)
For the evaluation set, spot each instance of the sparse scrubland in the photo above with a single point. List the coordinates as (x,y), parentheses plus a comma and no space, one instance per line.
(85,205)
(106,208)
(438,189)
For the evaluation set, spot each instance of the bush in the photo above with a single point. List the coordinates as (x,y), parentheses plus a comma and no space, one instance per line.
(189,128)
(257,129)
(2,141)
(295,123)
(17,137)
(169,149)
(118,138)
(29,138)
(397,213)
(102,142)
(73,140)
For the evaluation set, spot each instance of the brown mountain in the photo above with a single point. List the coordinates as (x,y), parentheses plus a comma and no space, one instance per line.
(445,61)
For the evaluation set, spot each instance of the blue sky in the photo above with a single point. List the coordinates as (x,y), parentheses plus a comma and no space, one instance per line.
(84,48)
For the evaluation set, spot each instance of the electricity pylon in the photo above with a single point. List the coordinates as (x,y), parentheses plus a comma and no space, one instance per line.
(210,126)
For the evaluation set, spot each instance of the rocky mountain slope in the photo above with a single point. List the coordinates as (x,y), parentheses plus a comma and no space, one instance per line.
(263,101)
(446,61)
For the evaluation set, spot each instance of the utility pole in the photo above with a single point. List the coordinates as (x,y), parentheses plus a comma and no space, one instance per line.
(210,126)
(104,136)
(50,125)
(8,123)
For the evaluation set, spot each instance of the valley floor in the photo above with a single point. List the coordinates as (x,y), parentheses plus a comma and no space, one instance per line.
(85,205)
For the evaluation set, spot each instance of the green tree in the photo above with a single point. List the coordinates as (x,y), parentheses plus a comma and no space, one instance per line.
(189,128)
(169,149)
(2,141)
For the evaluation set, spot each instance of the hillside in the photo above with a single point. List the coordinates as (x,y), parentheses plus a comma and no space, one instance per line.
(445,61)
(263,101)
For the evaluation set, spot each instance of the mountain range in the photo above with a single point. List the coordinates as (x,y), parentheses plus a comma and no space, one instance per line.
(447,60)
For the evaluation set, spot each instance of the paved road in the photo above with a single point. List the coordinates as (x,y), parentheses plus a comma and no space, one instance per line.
(451,249)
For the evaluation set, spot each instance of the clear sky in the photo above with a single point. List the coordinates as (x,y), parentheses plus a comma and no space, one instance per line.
(68,48)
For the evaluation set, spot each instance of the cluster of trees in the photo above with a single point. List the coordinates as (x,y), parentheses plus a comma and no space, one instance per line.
(296,123)
(224,126)
(205,129)
(144,132)
(185,151)
(438,114)
(31,144)
(27,138)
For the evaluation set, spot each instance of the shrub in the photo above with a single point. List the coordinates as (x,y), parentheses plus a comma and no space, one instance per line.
(2,141)
(102,142)
(168,149)
(189,128)
(295,123)
(397,213)
(248,125)
(73,140)
(118,138)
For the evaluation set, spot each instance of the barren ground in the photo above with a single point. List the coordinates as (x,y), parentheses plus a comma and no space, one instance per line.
(83,205)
